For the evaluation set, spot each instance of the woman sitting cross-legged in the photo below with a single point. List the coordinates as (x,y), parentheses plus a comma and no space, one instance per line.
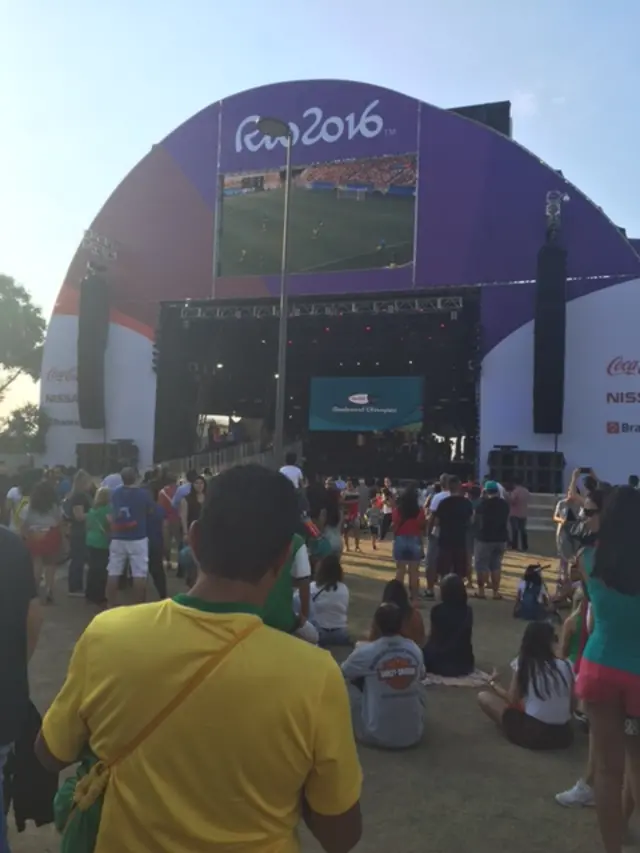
(449,649)
(412,628)
(535,712)
(330,603)
(385,685)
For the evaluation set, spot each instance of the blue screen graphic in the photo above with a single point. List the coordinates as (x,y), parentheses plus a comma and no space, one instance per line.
(366,404)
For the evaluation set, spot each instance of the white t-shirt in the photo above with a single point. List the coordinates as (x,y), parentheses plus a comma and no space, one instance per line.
(293,473)
(14,496)
(330,606)
(301,567)
(555,708)
(111,482)
(436,500)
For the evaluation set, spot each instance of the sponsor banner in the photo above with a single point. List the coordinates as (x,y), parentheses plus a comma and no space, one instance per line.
(330,122)
(621,427)
(366,404)
(623,396)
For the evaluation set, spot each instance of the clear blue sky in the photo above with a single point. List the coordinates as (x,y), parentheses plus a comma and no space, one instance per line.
(87,87)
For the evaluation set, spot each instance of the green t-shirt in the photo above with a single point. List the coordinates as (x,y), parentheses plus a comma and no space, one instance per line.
(278,609)
(98,527)
(615,641)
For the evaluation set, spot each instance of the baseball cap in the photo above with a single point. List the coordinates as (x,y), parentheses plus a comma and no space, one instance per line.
(491,486)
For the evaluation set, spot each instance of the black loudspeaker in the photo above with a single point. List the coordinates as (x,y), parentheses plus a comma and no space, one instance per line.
(540,471)
(93,330)
(549,334)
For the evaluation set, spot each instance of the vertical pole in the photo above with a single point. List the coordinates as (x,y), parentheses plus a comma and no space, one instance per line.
(278,437)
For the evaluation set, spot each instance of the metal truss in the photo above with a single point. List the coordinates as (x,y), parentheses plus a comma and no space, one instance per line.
(244,311)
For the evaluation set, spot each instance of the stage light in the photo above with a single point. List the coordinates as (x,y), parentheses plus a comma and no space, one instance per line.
(263,342)
(357,364)
(410,362)
(377,364)
(327,329)
(219,366)
(276,376)
(341,364)
(367,328)
(442,326)
(289,342)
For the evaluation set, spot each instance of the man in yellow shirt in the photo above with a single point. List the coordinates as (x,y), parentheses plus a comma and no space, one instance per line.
(264,739)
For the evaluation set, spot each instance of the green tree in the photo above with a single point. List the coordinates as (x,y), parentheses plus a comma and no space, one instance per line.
(22,331)
(24,430)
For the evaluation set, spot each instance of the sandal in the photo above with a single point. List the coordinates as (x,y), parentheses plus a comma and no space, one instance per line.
(480,596)
(497,597)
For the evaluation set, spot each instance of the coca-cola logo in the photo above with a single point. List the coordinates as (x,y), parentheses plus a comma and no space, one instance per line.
(58,375)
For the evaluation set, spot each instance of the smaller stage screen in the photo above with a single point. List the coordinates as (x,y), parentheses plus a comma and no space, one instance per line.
(366,403)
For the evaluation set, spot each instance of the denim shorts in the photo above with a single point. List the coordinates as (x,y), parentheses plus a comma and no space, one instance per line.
(407,549)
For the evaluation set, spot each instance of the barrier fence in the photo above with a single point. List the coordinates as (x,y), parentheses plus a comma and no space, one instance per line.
(248,453)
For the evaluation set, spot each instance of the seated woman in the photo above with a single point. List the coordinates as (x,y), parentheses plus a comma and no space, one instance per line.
(449,649)
(330,603)
(412,627)
(385,685)
(535,712)
(532,599)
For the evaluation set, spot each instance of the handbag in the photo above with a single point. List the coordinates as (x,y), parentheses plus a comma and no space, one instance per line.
(78,803)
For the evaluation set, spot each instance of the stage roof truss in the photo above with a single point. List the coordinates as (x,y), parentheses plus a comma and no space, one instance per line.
(244,311)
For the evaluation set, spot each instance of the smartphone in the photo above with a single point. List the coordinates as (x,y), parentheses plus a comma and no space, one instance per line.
(585,470)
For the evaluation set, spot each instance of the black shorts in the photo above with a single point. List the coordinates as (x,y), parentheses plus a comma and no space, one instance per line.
(374,530)
(529,733)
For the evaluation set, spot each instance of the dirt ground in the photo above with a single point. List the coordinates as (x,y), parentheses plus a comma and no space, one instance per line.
(464,789)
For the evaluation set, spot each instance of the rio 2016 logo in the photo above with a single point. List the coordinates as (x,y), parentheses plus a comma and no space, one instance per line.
(319,129)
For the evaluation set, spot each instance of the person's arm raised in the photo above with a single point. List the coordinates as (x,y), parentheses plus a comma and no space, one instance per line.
(331,799)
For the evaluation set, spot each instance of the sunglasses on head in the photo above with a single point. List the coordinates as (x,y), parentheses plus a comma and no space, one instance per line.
(589,513)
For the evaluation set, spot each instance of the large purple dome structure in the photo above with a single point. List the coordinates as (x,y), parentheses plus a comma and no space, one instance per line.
(441,202)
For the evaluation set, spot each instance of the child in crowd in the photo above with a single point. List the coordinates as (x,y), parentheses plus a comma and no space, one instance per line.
(535,712)
(374,519)
(390,668)
(532,599)
(412,623)
(330,603)
(449,649)
(97,539)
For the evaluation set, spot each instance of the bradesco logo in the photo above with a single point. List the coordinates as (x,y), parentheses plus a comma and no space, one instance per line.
(617,427)
(313,128)
(360,399)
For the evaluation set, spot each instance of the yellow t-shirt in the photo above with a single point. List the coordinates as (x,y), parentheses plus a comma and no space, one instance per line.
(226,770)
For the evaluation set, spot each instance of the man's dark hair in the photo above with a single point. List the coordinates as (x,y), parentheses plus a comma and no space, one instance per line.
(616,560)
(590,483)
(388,619)
(454,483)
(128,476)
(291,459)
(191,475)
(247,499)
(634,480)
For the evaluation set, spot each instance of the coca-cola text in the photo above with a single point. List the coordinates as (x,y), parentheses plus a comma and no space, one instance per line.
(620,366)
(70,374)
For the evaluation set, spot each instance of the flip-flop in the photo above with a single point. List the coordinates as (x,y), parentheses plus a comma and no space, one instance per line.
(498,597)
(479,597)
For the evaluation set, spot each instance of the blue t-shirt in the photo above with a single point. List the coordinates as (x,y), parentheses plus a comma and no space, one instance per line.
(182,491)
(131,509)
(615,641)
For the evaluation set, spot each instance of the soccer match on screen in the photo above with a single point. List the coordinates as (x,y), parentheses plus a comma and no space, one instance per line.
(346,215)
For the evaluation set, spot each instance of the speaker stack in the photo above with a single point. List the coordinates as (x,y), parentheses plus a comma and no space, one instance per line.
(539,471)
(93,331)
(549,336)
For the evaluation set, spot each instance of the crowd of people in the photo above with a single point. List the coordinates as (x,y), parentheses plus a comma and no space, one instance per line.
(379,173)
(260,551)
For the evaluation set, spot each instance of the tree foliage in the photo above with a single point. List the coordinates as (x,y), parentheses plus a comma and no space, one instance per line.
(22,331)
(24,430)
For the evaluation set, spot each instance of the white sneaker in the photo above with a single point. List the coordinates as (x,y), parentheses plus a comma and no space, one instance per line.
(580,796)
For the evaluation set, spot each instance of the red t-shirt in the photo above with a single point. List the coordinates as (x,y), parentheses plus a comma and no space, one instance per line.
(164,500)
(410,526)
